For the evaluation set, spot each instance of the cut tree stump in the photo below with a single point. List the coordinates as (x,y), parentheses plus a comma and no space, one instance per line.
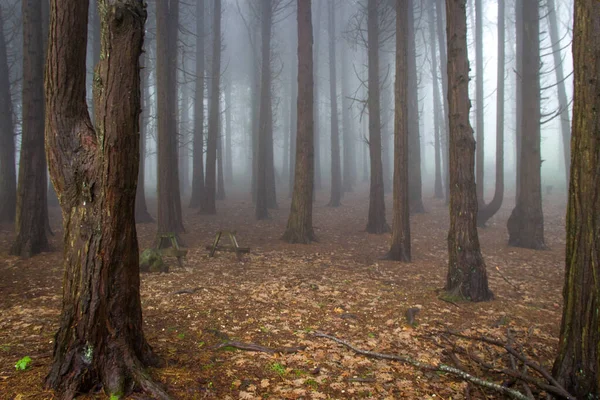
(235,247)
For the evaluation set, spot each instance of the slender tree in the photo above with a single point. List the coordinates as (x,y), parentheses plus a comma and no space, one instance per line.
(348,131)
(100,339)
(299,227)
(437,107)
(198,144)
(336,167)
(316,127)
(526,222)
(445,131)
(376,222)
(577,364)
(400,248)
(227,159)
(467,276)
(32,208)
(8,181)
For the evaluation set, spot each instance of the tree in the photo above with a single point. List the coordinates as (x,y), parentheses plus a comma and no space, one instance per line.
(526,222)
(400,248)
(8,182)
(576,366)
(94,171)
(376,222)
(467,276)
(198,146)
(299,227)
(32,207)
(443,66)
(348,131)
(479,155)
(488,211)
(169,198)
(336,167)
(438,188)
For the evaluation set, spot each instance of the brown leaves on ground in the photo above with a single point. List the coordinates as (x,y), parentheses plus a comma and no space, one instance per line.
(280,293)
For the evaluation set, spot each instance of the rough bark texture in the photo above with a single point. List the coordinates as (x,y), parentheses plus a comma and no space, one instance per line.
(32,207)
(577,366)
(526,222)
(198,146)
(415,190)
(438,189)
(100,339)
(169,199)
(400,248)
(479,106)
(376,222)
(488,211)
(299,227)
(467,276)
(8,173)
(336,167)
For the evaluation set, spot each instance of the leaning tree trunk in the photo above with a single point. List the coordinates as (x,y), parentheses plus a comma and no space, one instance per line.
(526,222)
(578,361)
(336,167)
(488,211)
(437,104)
(8,181)
(467,276)
(376,222)
(400,248)
(299,227)
(32,208)
(94,171)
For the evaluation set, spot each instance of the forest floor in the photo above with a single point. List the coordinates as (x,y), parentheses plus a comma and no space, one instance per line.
(280,294)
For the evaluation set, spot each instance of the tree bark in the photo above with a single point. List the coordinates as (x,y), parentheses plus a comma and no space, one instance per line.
(348,131)
(100,339)
(577,364)
(8,173)
(437,107)
(400,247)
(299,227)
(376,222)
(526,222)
(32,208)
(467,276)
(198,146)
(228,160)
(480,136)
(293,115)
(336,168)
(488,211)
(220,163)
(444,133)
(316,127)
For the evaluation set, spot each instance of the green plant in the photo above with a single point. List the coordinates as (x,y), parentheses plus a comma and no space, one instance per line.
(115,396)
(278,368)
(181,335)
(23,363)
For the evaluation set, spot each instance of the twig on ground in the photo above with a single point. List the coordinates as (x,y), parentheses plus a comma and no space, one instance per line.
(259,348)
(507,281)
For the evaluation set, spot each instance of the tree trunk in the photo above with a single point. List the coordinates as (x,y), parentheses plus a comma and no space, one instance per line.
(141,210)
(526,222)
(400,248)
(32,207)
(437,105)
(183,139)
(299,227)
(488,211)
(209,205)
(563,101)
(348,132)
(286,132)
(336,168)
(376,222)
(518,95)
(169,200)
(444,133)
(467,276)
(228,160)
(316,127)
(578,360)
(479,155)
(220,172)
(415,190)
(198,149)
(8,173)
(100,339)
(293,116)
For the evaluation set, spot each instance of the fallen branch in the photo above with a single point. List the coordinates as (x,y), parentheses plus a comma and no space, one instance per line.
(507,281)
(429,367)
(259,348)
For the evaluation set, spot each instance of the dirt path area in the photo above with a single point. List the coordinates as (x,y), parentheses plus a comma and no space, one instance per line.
(280,294)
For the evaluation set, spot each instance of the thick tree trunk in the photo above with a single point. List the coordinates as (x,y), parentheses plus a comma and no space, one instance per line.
(198,146)
(376,222)
(415,190)
(445,132)
(437,107)
(209,205)
(299,227)
(563,101)
(32,208)
(578,362)
(336,168)
(400,247)
(479,106)
(8,173)
(141,210)
(526,222)
(467,276)
(169,199)
(488,211)
(100,339)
